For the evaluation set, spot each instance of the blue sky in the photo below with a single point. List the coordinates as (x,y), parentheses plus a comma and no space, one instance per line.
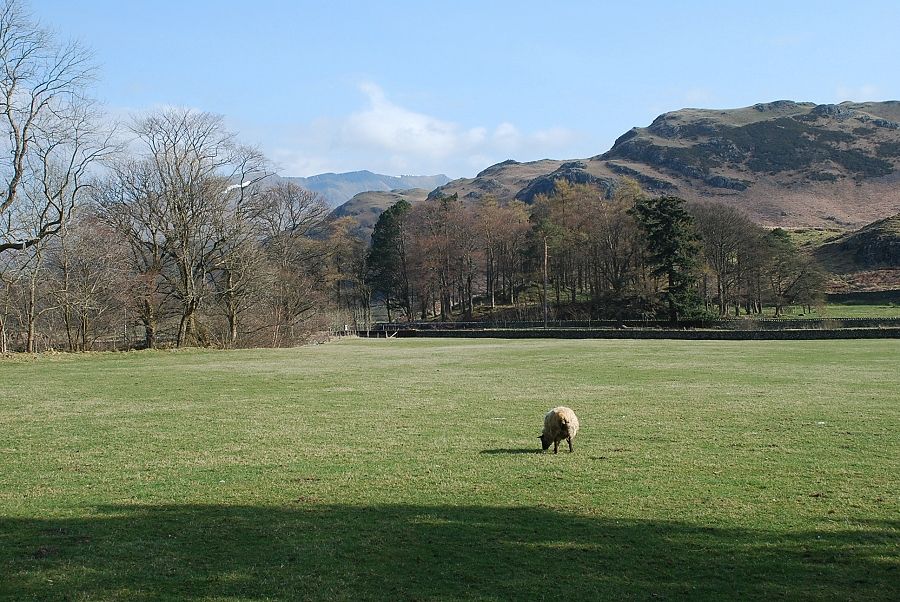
(418,87)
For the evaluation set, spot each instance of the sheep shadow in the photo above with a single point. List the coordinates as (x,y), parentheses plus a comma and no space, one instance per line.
(310,551)
(505,451)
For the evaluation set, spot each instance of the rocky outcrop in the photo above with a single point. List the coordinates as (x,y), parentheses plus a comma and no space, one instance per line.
(784,163)
(648,183)
(573,172)
(876,245)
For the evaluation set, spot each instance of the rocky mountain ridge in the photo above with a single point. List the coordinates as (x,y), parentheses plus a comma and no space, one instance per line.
(785,163)
(338,188)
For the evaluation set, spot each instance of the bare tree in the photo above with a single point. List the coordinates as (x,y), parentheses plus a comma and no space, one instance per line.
(791,277)
(51,134)
(346,273)
(614,246)
(31,299)
(87,280)
(728,235)
(9,279)
(290,219)
(6,284)
(239,274)
(130,202)
(202,175)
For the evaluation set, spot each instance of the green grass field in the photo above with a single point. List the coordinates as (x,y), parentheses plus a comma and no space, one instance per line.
(841,310)
(409,470)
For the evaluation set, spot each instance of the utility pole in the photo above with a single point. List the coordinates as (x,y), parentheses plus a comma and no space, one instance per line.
(545,282)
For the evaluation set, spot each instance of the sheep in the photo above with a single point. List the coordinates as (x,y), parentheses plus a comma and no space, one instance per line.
(559,423)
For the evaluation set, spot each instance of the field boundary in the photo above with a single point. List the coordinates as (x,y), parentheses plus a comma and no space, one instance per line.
(710,324)
(644,333)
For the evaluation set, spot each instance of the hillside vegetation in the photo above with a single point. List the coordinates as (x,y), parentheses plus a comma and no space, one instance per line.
(876,245)
(365,208)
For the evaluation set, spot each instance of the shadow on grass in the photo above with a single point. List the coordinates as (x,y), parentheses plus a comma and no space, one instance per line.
(402,552)
(522,450)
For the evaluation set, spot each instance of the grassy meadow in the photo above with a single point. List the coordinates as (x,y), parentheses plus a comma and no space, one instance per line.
(410,470)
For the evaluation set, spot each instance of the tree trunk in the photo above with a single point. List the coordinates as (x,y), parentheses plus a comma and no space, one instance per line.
(149,332)
(30,315)
(67,321)
(83,326)
(489,270)
(673,310)
(232,328)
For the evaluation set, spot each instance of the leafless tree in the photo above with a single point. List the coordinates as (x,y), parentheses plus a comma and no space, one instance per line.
(9,275)
(614,245)
(51,134)
(346,273)
(291,219)
(202,175)
(239,274)
(30,298)
(130,202)
(86,263)
(729,238)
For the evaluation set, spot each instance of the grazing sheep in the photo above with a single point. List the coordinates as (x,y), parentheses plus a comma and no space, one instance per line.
(559,423)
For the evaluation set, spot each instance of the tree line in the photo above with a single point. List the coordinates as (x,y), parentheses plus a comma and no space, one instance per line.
(179,241)
(630,256)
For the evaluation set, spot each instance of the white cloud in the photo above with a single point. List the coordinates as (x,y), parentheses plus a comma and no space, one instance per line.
(865,92)
(384,136)
(697,97)
(386,126)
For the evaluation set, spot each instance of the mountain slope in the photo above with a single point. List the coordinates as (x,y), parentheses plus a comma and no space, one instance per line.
(340,188)
(876,245)
(867,259)
(366,207)
(784,163)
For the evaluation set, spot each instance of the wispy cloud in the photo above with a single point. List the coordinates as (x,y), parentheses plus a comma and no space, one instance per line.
(385,136)
(861,93)
(384,125)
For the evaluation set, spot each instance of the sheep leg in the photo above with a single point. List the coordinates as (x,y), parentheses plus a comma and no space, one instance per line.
(555,447)
(571,449)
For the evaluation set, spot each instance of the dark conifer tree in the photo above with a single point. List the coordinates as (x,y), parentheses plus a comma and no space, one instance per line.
(673,251)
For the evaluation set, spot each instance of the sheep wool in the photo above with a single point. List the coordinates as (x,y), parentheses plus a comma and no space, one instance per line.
(559,423)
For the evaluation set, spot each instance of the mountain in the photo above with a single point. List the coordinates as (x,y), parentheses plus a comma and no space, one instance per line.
(338,188)
(366,207)
(785,163)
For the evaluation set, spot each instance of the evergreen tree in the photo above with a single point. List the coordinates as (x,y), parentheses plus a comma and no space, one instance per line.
(672,250)
(387,270)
